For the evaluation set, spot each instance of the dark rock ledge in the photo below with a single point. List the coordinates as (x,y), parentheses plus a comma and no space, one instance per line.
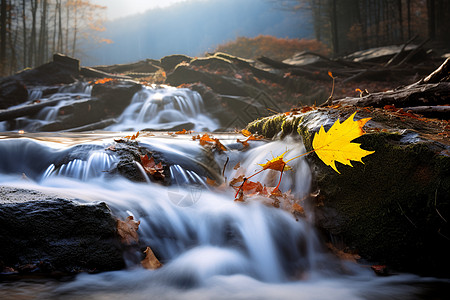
(46,234)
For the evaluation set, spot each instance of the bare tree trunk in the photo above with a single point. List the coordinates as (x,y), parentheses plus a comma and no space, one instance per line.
(12,41)
(31,53)
(66,49)
(3,18)
(60,30)
(42,35)
(334,29)
(408,4)
(24,33)
(400,19)
(54,27)
(431,19)
(75,31)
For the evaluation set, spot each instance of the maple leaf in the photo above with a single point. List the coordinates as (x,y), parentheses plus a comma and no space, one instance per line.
(132,137)
(150,166)
(277,163)
(150,262)
(127,230)
(335,145)
(184,131)
(245,132)
(207,141)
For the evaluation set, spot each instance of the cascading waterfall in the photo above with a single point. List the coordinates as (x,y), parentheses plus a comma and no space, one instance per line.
(166,108)
(210,245)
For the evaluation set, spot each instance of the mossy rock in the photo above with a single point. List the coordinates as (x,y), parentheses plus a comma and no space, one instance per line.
(213,63)
(392,209)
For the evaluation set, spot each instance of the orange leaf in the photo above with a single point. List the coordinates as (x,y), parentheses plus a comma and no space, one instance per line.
(330,74)
(276,163)
(237,179)
(251,186)
(245,132)
(184,131)
(149,165)
(127,230)
(206,140)
(211,182)
(297,208)
(150,262)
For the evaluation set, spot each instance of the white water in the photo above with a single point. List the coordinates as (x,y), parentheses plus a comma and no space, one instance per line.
(152,108)
(155,108)
(211,246)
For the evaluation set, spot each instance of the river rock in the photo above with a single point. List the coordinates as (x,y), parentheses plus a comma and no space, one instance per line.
(12,92)
(394,208)
(44,233)
(168,63)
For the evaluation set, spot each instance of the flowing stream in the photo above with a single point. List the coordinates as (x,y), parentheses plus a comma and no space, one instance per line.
(211,246)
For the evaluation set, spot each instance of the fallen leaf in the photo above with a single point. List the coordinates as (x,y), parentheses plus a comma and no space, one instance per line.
(380,270)
(150,262)
(149,165)
(207,141)
(246,133)
(132,137)
(127,230)
(233,181)
(184,131)
(211,182)
(277,163)
(335,145)
(298,208)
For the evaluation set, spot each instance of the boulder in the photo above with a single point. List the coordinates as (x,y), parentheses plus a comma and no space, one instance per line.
(168,63)
(12,92)
(44,233)
(394,208)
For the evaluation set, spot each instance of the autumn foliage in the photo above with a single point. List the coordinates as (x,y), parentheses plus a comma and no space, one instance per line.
(270,46)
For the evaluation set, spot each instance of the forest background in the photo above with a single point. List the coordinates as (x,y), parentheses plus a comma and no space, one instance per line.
(32,30)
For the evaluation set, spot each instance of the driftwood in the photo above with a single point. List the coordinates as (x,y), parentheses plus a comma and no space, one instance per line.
(413,95)
(354,69)
(27,110)
(94,126)
(394,58)
(440,112)
(429,96)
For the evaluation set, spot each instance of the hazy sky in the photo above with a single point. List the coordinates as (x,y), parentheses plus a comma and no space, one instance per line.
(122,8)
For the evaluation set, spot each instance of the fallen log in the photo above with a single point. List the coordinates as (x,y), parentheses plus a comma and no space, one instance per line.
(93,126)
(413,95)
(27,110)
(439,111)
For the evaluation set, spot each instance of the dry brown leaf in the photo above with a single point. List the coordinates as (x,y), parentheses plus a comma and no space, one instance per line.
(150,166)
(127,230)
(210,181)
(150,262)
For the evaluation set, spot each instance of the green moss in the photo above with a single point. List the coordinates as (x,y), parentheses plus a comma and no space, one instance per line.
(388,205)
(268,127)
(290,124)
(272,126)
(394,208)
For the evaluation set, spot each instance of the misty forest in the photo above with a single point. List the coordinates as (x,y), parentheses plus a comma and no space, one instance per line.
(225,149)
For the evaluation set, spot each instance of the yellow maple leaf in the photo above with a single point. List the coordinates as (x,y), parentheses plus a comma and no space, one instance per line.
(277,163)
(335,145)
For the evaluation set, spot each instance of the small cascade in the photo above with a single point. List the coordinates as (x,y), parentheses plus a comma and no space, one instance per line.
(96,165)
(211,247)
(35,93)
(165,108)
